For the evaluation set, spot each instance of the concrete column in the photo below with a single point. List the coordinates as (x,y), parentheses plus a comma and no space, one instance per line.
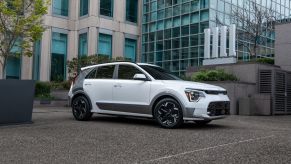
(94,7)
(232,40)
(26,67)
(74,10)
(72,45)
(92,40)
(45,59)
(223,31)
(215,42)
(117,44)
(207,35)
(139,40)
(119,10)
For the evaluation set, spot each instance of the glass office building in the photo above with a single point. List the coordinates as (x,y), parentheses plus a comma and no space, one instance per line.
(173,30)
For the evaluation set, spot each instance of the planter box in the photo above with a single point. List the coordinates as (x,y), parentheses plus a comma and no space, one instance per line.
(16,98)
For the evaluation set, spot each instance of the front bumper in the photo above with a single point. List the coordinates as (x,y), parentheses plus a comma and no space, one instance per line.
(205,118)
(213,111)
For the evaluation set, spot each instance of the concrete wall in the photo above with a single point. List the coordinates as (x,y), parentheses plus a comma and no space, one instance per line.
(283,46)
(236,91)
(245,72)
(247,89)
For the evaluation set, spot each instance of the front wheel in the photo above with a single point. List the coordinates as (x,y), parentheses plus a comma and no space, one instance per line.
(168,113)
(81,109)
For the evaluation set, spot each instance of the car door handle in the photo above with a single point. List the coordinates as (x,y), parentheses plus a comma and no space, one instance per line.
(88,84)
(117,85)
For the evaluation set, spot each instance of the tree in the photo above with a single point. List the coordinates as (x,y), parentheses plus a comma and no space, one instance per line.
(254,22)
(20,26)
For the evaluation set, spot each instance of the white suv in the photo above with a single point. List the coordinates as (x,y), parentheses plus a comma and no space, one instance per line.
(144,90)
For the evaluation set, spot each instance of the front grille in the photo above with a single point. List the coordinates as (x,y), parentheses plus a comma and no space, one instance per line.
(218,108)
(215,92)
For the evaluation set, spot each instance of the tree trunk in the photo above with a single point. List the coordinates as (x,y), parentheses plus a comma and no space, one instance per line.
(3,72)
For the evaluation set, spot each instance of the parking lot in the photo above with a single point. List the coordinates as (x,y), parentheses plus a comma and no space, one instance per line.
(55,137)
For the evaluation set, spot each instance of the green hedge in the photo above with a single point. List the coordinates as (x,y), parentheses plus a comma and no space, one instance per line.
(265,60)
(42,90)
(61,85)
(213,75)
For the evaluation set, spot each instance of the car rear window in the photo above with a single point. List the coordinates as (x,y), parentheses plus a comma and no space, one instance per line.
(103,72)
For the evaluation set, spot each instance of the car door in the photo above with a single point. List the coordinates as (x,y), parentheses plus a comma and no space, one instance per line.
(98,85)
(131,95)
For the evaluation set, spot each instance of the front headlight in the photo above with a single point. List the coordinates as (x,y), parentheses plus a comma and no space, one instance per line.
(194,95)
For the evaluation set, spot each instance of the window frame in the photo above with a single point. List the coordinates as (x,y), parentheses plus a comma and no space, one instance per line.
(136,66)
(87,38)
(137,14)
(86,15)
(128,65)
(98,67)
(112,10)
(111,44)
(61,16)
(65,32)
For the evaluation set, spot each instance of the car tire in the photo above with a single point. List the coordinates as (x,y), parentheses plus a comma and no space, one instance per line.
(81,108)
(168,113)
(202,122)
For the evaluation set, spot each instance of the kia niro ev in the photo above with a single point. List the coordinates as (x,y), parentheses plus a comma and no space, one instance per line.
(145,90)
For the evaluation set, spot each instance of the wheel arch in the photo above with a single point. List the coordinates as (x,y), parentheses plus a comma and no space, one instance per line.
(82,93)
(161,96)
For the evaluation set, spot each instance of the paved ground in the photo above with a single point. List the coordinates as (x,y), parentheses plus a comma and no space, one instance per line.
(55,137)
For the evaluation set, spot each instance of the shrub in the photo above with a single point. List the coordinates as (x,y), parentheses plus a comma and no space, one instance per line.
(61,85)
(42,90)
(213,75)
(265,60)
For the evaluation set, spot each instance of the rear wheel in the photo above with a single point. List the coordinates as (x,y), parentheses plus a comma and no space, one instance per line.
(81,108)
(168,113)
(202,122)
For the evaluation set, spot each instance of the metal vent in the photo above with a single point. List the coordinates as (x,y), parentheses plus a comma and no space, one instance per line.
(265,81)
(280,97)
(288,90)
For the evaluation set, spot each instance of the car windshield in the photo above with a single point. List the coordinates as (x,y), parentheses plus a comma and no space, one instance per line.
(159,73)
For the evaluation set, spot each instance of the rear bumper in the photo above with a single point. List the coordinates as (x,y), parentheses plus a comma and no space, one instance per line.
(69,101)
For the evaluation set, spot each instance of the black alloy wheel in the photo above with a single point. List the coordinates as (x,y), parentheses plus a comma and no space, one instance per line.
(168,113)
(81,109)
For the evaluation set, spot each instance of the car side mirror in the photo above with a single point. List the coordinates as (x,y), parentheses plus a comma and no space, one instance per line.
(140,76)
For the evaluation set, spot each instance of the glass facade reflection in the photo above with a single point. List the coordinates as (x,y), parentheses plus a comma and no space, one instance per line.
(173,30)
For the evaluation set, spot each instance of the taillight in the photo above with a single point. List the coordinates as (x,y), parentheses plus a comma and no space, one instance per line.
(74,79)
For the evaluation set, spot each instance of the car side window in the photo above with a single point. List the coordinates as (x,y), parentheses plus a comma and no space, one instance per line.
(92,74)
(105,72)
(127,72)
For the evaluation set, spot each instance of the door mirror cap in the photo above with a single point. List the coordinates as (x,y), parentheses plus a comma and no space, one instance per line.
(140,76)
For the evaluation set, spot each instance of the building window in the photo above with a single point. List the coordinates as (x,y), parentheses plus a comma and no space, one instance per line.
(105,45)
(58,56)
(36,60)
(130,49)
(61,7)
(13,67)
(106,7)
(84,6)
(83,45)
(204,4)
(131,10)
